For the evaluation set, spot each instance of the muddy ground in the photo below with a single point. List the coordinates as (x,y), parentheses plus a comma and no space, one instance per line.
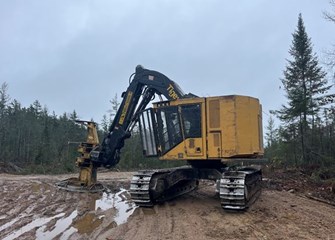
(33,208)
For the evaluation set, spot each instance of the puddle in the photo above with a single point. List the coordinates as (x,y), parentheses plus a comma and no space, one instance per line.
(60,226)
(87,224)
(148,211)
(36,223)
(119,202)
(91,212)
(35,187)
(93,219)
(7,225)
(68,233)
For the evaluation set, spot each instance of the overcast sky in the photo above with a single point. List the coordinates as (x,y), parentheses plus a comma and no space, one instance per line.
(76,55)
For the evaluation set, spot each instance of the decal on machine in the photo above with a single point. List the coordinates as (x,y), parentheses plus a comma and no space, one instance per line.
(172,92)
(125,107)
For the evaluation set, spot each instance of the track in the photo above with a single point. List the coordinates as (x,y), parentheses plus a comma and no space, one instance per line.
(238,188)
(148,187)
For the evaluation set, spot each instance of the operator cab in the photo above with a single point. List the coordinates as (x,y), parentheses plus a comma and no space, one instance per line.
(166,126)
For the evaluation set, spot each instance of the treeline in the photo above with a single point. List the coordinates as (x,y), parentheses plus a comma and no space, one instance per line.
(306,135)
(33,140)
(284,144)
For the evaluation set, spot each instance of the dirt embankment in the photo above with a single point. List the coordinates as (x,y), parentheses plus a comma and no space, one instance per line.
(32,208)
(301,182)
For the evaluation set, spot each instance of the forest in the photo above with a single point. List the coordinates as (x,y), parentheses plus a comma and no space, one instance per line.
(299,134)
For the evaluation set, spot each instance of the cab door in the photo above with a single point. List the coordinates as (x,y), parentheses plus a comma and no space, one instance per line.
(193,129)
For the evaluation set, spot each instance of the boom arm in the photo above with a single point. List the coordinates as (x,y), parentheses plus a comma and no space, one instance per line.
(145,83)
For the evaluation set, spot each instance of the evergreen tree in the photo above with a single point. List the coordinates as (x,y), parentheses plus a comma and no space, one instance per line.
(330,54)
(4,121)
(4,97)
(105,123)
(73,116)
(306,87)
(271,132)
(115,106)
(36,108)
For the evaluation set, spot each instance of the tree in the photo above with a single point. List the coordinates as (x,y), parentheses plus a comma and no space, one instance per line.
(73,116)
(271,132)
(107,120)
(271,137)
(306,87)
(4,97)
(115,106)
(105,123)
(330,16)
(36,108)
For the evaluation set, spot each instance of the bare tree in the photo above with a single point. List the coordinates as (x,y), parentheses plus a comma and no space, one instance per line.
(330,15)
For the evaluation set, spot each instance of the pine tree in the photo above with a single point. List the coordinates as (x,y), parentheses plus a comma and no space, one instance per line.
(105,123)
(330,54)
(4,97)
(271,132)
(115,106)
(306,86)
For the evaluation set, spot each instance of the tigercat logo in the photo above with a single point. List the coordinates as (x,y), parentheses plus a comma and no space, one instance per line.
(172,92)
(125,107)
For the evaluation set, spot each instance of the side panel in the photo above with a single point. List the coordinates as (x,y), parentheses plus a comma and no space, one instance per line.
(214,134)
(234,127)
(248,127)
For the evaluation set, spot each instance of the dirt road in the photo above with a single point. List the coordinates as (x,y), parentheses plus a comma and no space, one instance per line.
(32,208)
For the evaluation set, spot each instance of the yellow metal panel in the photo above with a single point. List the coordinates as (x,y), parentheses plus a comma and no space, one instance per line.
(228,113)
(260,129)
(214,113)
(244,125)
(176,153)
(214,145)
(240,127)
(247,125)
(194,147)
(181,152)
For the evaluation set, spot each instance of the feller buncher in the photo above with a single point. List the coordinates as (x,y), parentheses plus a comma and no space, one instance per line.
(209,133)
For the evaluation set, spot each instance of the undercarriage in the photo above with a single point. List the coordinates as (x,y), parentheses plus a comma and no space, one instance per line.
(238,188)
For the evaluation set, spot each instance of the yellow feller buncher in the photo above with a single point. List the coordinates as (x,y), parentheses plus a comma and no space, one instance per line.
(209,133)
(87,180)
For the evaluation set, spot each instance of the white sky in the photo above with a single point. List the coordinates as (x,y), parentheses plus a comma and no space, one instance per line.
(76,55)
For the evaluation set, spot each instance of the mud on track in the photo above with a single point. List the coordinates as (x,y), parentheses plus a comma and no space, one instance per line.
(31,207)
